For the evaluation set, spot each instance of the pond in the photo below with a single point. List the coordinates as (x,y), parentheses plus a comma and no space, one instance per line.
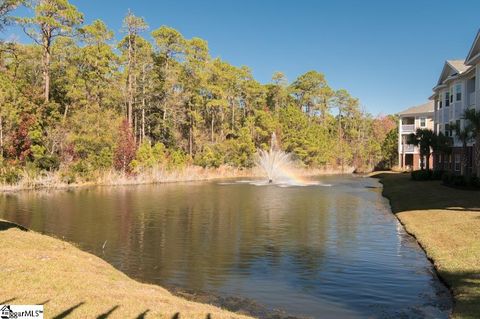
(328,250)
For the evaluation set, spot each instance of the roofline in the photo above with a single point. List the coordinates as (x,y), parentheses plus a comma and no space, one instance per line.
(469,58)
(452,66)
(450,77)
(441,73)
(472,60)
(411,112)
(422,113)
(440,86)
(453,77)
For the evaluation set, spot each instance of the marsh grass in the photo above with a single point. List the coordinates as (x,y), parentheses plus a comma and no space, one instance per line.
(446,223)
(158,174)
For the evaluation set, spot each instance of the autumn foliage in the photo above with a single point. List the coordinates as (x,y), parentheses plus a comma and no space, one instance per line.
(20,142)
(125,149)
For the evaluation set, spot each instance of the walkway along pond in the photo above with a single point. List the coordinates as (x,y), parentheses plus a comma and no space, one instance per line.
(331,250)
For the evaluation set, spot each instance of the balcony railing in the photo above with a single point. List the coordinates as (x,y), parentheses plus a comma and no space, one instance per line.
(408,128)
(408,148)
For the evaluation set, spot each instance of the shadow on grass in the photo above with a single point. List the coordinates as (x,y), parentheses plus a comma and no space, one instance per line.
(7,301)
(462,209)
(4,225)
(67,312)
(466,290)
(108,313)
(143,314)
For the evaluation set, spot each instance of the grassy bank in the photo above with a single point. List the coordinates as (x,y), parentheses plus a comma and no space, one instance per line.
(446,222)
(38,269)
(152,176)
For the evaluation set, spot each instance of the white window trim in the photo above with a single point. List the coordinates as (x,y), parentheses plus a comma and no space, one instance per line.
(461,91)
(458,161)
(420,122)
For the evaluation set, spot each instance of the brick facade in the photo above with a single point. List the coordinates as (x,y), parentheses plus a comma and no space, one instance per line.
(453,162)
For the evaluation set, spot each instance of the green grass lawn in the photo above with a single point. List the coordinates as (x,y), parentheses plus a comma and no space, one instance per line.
(70,283)
(446,222)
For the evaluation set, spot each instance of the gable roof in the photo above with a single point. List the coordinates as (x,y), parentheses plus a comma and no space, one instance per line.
(452,68)
(419,109)
(474,52)
(458,65)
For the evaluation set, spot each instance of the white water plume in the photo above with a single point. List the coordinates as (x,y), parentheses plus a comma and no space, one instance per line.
(274,162)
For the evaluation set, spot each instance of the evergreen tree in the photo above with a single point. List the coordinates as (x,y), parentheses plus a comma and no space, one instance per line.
(52,19)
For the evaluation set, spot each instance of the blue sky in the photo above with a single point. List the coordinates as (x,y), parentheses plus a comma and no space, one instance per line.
(387,53)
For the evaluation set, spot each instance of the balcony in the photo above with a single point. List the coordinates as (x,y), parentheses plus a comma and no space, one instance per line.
(408,128)
(408,148)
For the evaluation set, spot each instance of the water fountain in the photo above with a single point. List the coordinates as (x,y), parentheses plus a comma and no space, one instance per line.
(274,161)
(279,168)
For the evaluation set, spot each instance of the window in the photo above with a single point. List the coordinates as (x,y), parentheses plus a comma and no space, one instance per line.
(440,104)
(447,99)
(447,130)
(457,162)
(423,122)
(458,92)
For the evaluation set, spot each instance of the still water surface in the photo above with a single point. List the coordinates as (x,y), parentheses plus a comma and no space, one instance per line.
(324,252)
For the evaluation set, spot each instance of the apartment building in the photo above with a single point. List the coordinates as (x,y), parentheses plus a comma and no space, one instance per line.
(420,116)
(457,89)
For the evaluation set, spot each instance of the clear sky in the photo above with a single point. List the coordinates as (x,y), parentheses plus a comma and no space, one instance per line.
(387,53)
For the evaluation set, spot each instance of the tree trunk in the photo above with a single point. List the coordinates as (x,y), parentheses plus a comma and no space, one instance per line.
(340,138)
(190,141)
(422,161)
(65,113)
(46,66)
(427,158)
(211,128)
(1,136)
(233,114)
(135,128)
(143,126)
(166,92)
(190,131)
(142,136)
(477,155)
(463,171)
(130,82)
(222,120)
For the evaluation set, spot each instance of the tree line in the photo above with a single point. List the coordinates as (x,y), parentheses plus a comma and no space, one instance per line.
(80,101)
